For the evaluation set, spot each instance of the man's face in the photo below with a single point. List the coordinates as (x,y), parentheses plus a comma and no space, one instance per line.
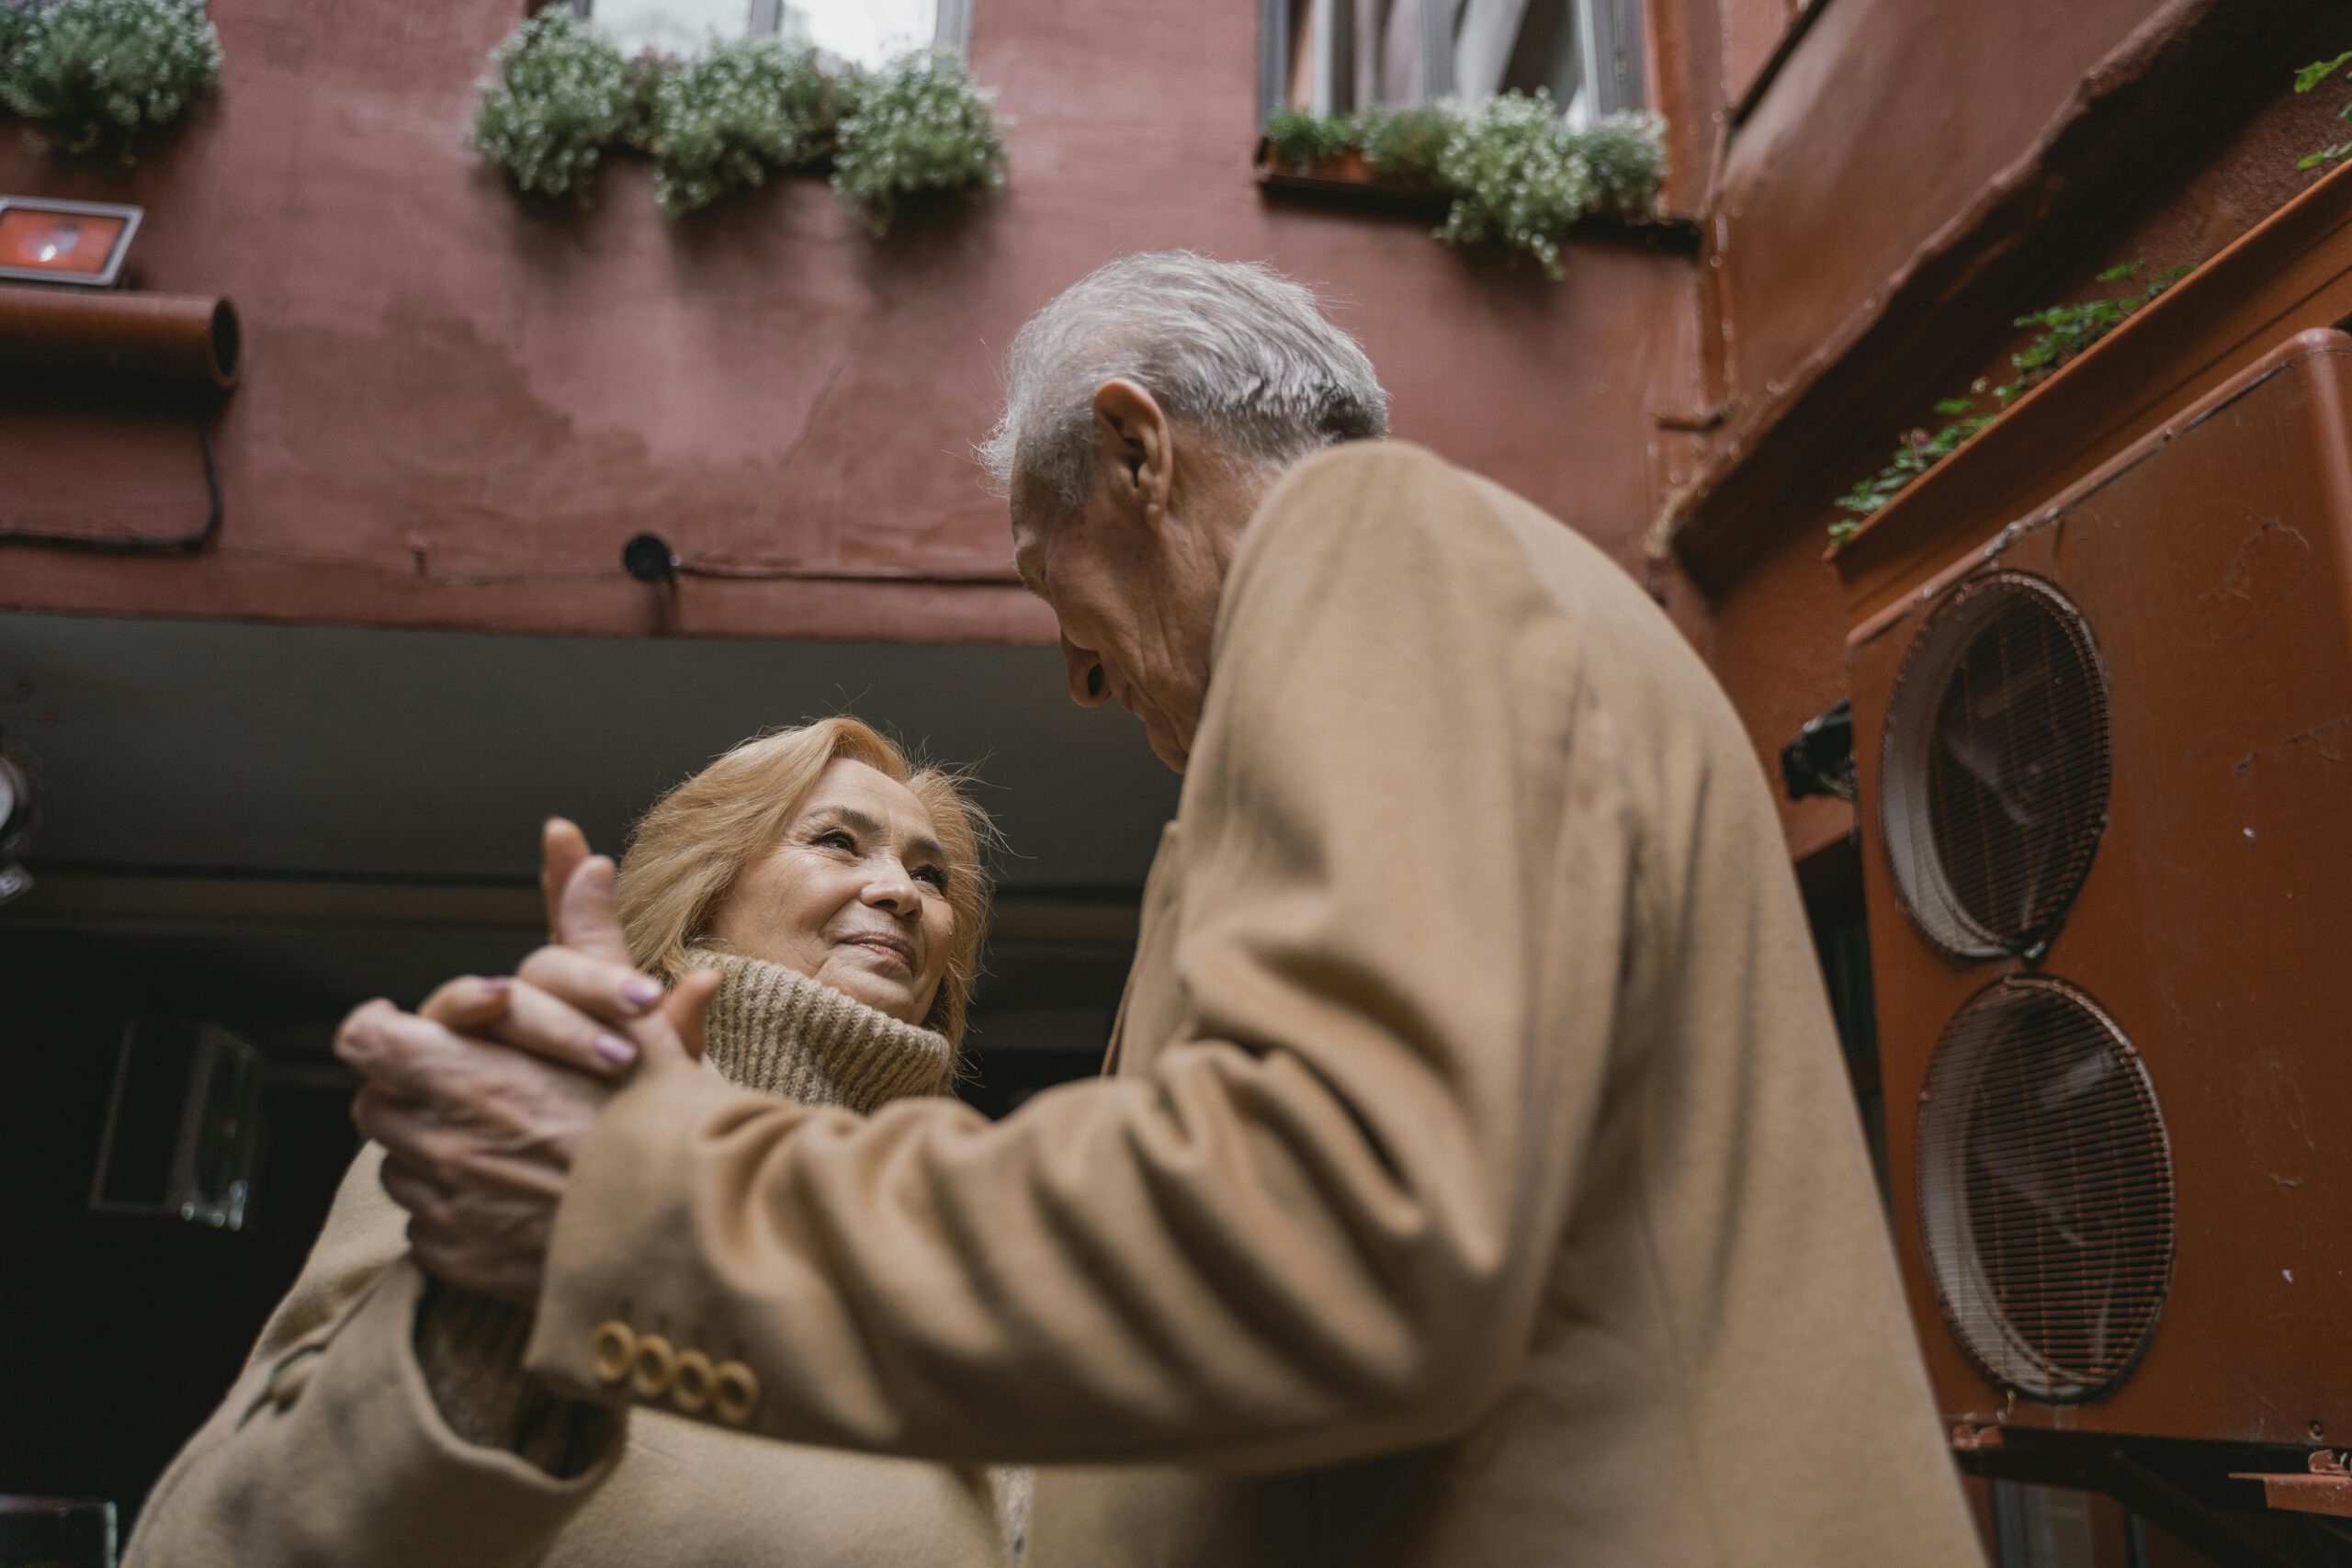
(1135,594)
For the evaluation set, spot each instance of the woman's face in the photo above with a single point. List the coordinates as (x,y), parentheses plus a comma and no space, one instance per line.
(854,897)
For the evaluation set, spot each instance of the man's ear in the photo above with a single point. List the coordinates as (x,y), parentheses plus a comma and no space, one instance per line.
(1138,442)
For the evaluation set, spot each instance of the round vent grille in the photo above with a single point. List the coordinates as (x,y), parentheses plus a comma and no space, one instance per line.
(2045,1190)
(1994,777)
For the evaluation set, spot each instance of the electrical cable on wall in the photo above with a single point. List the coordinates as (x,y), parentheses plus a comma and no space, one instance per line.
(153,341)
(138,545)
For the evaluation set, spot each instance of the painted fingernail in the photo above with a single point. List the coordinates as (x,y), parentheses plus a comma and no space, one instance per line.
(498,985)
(641,992)
(614,1049)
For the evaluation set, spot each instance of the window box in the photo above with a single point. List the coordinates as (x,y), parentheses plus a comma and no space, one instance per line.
(1344,177)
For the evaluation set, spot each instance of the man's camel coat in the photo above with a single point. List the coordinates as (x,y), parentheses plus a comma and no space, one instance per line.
(1476,1181)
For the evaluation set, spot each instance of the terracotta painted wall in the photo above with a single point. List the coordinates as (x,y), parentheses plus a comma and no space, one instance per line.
(455,408)
(1884,125)
(1884,131)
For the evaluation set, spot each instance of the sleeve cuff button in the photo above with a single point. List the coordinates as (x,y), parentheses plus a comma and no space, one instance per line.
(653,1366)
(735,1392)
(610,1350)
(693,1383)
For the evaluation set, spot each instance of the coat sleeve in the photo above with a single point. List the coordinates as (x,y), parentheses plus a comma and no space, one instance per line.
(330,1449)
(1315,1221)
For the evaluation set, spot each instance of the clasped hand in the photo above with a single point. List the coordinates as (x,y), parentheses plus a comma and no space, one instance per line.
(482,1097)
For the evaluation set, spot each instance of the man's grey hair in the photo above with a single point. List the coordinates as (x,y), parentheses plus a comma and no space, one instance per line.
(1234,349)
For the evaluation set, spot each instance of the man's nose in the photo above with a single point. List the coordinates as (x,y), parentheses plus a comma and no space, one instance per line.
(1087,684)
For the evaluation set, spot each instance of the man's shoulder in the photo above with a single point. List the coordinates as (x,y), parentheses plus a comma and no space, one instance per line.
(1390,478)
(1371,494)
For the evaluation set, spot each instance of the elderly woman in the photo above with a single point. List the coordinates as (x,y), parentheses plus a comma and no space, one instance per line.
(837,891)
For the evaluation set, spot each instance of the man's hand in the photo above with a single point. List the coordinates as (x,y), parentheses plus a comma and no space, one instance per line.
(479,1137)
(478,1140)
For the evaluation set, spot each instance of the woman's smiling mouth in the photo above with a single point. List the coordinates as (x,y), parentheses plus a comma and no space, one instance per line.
(885,944)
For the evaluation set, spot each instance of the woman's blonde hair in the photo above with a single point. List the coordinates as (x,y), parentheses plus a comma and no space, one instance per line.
(685,852)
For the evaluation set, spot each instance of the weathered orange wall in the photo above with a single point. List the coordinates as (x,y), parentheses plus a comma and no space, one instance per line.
(456,406)
(1883,127)
(1884,131)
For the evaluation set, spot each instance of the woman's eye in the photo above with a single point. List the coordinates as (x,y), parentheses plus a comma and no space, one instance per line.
(933,876)
(837,839)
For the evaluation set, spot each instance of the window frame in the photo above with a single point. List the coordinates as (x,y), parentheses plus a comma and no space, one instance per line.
(1605,29)
(765,18)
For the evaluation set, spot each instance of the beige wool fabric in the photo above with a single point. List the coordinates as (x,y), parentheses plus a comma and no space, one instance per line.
(377,1420)
(843,1053)
(1477,1183)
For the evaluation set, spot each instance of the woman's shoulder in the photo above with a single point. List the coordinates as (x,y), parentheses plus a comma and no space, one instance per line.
(364,1232)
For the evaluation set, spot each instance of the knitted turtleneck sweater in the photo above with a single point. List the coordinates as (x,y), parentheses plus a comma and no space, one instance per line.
(776,1030)
(770,1029)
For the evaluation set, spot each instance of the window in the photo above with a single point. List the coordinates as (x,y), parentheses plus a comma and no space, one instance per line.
(862,32)
(1331,56)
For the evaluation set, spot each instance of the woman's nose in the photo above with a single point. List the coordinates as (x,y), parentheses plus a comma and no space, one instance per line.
(892,889)
(1087,684)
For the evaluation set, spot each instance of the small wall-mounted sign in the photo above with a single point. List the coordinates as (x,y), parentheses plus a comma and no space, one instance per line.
(42,241)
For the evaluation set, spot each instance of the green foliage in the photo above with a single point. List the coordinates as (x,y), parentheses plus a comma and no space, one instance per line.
(920,124)
(97,73)
(2311,76)
(560,96)
(2065,332)
(726,121)
(1627,152)
(557,96)
(1918,452)
(1517,177)
(2067,329)
(1299,138)
(1517,173)
(15,26)
(1407,144)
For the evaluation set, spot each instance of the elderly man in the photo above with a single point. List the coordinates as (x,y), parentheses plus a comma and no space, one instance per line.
(1475,1181)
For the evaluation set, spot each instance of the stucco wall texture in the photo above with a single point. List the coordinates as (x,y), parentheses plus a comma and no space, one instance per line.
(458,405)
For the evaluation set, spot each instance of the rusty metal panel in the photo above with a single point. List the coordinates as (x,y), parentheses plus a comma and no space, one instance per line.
(2212,565)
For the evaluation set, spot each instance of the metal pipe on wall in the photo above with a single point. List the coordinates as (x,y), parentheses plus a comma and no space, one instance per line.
(188,339)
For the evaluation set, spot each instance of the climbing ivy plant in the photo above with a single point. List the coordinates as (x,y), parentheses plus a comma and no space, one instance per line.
(2309,77)
(2063,331)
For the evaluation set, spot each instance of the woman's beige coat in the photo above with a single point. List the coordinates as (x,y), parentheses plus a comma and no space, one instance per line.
(1478,1182)
(330,1452)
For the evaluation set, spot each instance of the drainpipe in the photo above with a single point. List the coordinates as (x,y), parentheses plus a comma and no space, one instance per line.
(161,341)
(187,338)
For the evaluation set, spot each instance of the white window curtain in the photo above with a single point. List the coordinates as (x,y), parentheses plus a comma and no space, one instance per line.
(1331,56)
(864,32)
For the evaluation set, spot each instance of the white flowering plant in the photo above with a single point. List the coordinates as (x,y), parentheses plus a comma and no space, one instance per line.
(96,74)
(15,26)
(557,97)
(1517,173)
(921,125)
(728,119)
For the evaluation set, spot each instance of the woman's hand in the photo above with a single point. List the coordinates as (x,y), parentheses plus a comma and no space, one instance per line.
(576,1001)
(482,1100)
